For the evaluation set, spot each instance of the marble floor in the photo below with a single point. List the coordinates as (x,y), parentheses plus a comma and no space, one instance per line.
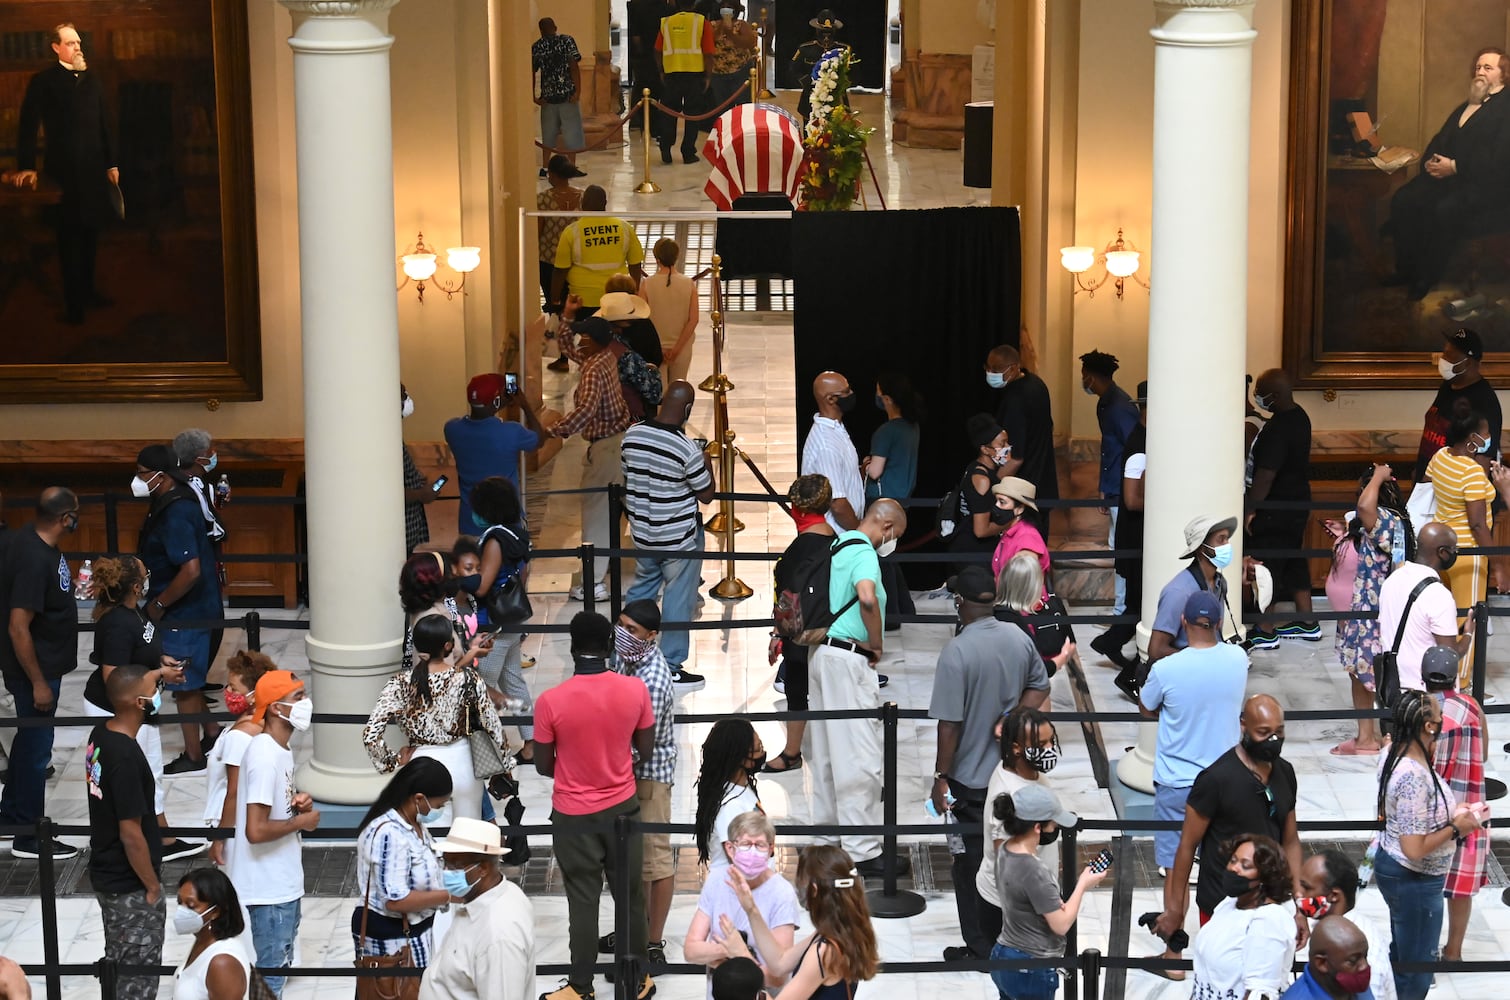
(1302,675)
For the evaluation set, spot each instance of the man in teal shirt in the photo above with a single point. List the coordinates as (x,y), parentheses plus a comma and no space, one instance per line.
(845,754)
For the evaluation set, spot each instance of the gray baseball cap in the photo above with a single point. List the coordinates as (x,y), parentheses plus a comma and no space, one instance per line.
(1039,805)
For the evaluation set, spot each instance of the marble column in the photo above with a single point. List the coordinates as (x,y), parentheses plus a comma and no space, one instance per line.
(349,318)
(1197,324)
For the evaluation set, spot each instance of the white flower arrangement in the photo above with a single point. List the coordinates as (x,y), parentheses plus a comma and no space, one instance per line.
(825,83)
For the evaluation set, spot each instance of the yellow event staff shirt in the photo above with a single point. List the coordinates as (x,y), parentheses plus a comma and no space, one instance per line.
(684,42)
(592,250)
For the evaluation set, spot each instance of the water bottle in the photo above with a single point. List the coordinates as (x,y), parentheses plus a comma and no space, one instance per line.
(1366,866)
(223,490)
(81,582)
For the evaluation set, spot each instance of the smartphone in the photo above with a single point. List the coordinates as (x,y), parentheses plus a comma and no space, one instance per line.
(439,483)
(510,384)
(702,443)
(1102,861)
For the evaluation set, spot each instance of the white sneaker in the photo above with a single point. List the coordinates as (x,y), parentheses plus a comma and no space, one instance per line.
(780,686)
(577,593)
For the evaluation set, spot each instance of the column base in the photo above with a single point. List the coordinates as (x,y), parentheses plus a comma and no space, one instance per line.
(929,91)
(330,783)
(1135,769)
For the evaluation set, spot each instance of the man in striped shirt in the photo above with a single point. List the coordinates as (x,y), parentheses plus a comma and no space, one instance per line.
(666,477)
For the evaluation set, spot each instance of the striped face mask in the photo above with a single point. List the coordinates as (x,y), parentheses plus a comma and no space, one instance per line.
(630,647)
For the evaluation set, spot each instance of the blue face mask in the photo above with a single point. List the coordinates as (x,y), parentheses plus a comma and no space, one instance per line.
(434,815)
(211,462)
(456,883)
(996,379)
(1221,555)
(480,521)
(1484,448)
(156,705)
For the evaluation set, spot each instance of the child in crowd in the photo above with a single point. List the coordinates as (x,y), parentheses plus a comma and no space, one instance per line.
(243,671)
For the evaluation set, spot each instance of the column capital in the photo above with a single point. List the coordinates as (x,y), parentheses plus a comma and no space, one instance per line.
(338,8)
(1203,23)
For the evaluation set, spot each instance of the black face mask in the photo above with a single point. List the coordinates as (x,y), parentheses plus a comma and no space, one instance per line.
(756,762)
(1266,751)
(1449,560)
(1000,515)
(471,584)
(590,664)
(846,404)
(1234,885)
(1048,837)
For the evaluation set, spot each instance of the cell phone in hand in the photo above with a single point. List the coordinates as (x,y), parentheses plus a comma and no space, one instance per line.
(1102,861)
(439,483)
(510,384)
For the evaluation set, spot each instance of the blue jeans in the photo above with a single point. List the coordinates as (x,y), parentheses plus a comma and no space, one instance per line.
(680,573)
(1024,984)
(274,928)
(1415,920)
(23,800)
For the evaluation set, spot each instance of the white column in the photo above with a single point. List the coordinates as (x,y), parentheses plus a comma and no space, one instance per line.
(1197,324)
(349,314)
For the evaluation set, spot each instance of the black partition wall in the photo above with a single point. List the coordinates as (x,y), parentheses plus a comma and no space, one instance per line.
(864,31)
(928,293)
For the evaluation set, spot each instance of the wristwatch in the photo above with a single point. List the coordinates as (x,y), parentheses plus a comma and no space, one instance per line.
(159,605)
(940,776)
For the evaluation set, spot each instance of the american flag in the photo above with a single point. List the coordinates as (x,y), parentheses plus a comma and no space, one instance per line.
(753,148)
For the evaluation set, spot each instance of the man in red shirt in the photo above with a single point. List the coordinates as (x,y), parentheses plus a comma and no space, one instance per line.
(585,728)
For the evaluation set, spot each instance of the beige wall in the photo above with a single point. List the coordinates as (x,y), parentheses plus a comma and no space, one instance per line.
(948,26)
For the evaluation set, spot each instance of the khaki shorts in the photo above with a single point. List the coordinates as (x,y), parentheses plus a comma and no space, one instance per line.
(655,807)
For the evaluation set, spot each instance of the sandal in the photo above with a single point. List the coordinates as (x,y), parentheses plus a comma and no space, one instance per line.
(1350,748)
(790,762)
(521,758)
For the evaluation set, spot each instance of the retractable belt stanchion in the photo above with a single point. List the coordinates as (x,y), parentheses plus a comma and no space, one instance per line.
(889,901)
(47,876)
(731,587)
(754,85)
(1069,874)
(589,582)
(1090,965)
(646,185)
(765,93)
(615,563)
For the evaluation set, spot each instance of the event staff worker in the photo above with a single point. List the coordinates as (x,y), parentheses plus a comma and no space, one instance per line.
(1280,469)
(180,561)
(846,754)
(1329,888)
(1460,190)
(666,479)
(484,444)
(988,668)
(829,452)
(1208,546)
(38,646)
(1459,761)
(1463,383)
(1024,411)
(490,949)
(555,57)
(125,845)
(585,728)
(684,50)
(1338,968)
(1250,789)
(1431,619)
(593,249)
(600,415)
(68,103)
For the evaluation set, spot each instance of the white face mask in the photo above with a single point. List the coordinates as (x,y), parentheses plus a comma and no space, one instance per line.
(996,379)
(408,410)
(886,548)
(300,713)
(1000,455)
(1448,370)
(142,488)
(187,920)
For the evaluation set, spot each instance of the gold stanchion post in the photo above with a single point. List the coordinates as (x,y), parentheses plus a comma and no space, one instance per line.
(647,186)
(754,85)
(730,588)
(765,93)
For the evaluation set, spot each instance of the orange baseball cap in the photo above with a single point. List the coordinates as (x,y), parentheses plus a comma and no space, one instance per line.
(273,686)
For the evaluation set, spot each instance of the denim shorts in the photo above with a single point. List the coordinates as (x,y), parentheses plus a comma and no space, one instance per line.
(563,120)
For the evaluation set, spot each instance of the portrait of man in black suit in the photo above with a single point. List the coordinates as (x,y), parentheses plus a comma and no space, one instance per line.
(67,103)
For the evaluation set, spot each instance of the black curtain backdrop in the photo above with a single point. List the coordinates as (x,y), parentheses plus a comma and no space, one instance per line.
(864,30)
(928,293)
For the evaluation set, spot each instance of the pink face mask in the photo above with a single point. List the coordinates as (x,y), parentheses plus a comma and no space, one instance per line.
(751,861)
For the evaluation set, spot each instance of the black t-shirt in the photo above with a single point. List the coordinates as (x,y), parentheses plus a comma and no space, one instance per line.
(35,577)
(1235,801)
(643,339)
(1129,534)
(1025,413)
(1284,447)
(1481,398)
(122,635)
(972,502)
(120,788)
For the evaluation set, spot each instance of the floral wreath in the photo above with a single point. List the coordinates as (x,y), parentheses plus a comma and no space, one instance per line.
(834,140)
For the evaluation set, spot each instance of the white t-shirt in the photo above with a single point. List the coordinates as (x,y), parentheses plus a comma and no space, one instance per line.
(1244,950)
(189,981)
(1004,782)
(1136,466)
(272,872)
(1434,613)
(737,799)
(227,752)
(775,901)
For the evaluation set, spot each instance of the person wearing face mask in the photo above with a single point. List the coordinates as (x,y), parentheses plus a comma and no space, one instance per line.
(125,847)
(829,452)
(977,526)
(484,444)
(195,451)
(637,654)
(1116,416)
(586,730)
(846,754)
(505,548)
(1464,502)
(398,873)
(180,560)
(1246,948)
(217,966)
(1329,889)
(1417,611)
(1338,967)
(985,671)
(1015,512)
(1127,536)
(417,491)
(490,949)
(1280,470)
(667,478)
(735,50)
(39,646)
(1208,546)
(1463,384)
(1248,791)
(265,859)
(749,848)
(243,670)
(1023,409)
(733,754)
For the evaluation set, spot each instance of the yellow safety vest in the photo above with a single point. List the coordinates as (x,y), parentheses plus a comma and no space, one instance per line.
(682,42)
(598,244)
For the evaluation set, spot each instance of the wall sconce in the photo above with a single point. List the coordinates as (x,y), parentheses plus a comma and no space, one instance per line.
(1120,258)
(419,267)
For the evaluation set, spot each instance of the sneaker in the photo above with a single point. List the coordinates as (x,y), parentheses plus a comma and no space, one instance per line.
(1127,682)
(559,365)
(207,743)
(525,662)
(182,765)
(605,944)
(875,867)
(1259,639)
(1309,631)
(685,680)
(577,593)
(30,850)
(959,953)
(779,687)
(655,951)
(569,992)
(183,848)
(882,680)
(542,172)
(1107,647)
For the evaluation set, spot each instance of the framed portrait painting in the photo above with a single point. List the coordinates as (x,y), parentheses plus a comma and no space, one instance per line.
(128,270)
(1398,190)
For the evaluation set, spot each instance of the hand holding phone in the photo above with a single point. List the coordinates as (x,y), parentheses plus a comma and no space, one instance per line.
(439,483)
(1101,862)
(510,384)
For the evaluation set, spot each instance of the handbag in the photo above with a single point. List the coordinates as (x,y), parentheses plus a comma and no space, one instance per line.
(487,756)
(1421,505)
(1387,662)
(385,987)
(508,603)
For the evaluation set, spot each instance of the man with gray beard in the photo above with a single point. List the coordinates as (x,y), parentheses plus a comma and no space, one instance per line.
(1461,190)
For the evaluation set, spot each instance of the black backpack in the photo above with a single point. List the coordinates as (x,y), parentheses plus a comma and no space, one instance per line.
(803,614)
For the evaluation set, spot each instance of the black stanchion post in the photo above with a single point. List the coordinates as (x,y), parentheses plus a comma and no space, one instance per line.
(889,901)
(589,582)
(1069,874)
(1480,649)
(615,563)
(626,966)
(251,623)
(1090,968)
(47,874)
(110,978)
(112,523)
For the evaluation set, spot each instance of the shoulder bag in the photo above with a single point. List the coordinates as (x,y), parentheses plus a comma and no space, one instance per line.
(487,756)
(508,603)
(385,987)
(1387,662)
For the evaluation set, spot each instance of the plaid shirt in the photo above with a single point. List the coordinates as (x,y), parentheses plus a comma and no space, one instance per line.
(598,409)
(568,199)
(416,526)
(1460,762)
(656,674)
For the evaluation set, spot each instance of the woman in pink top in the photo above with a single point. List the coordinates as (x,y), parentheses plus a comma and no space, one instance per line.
(1014,499)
